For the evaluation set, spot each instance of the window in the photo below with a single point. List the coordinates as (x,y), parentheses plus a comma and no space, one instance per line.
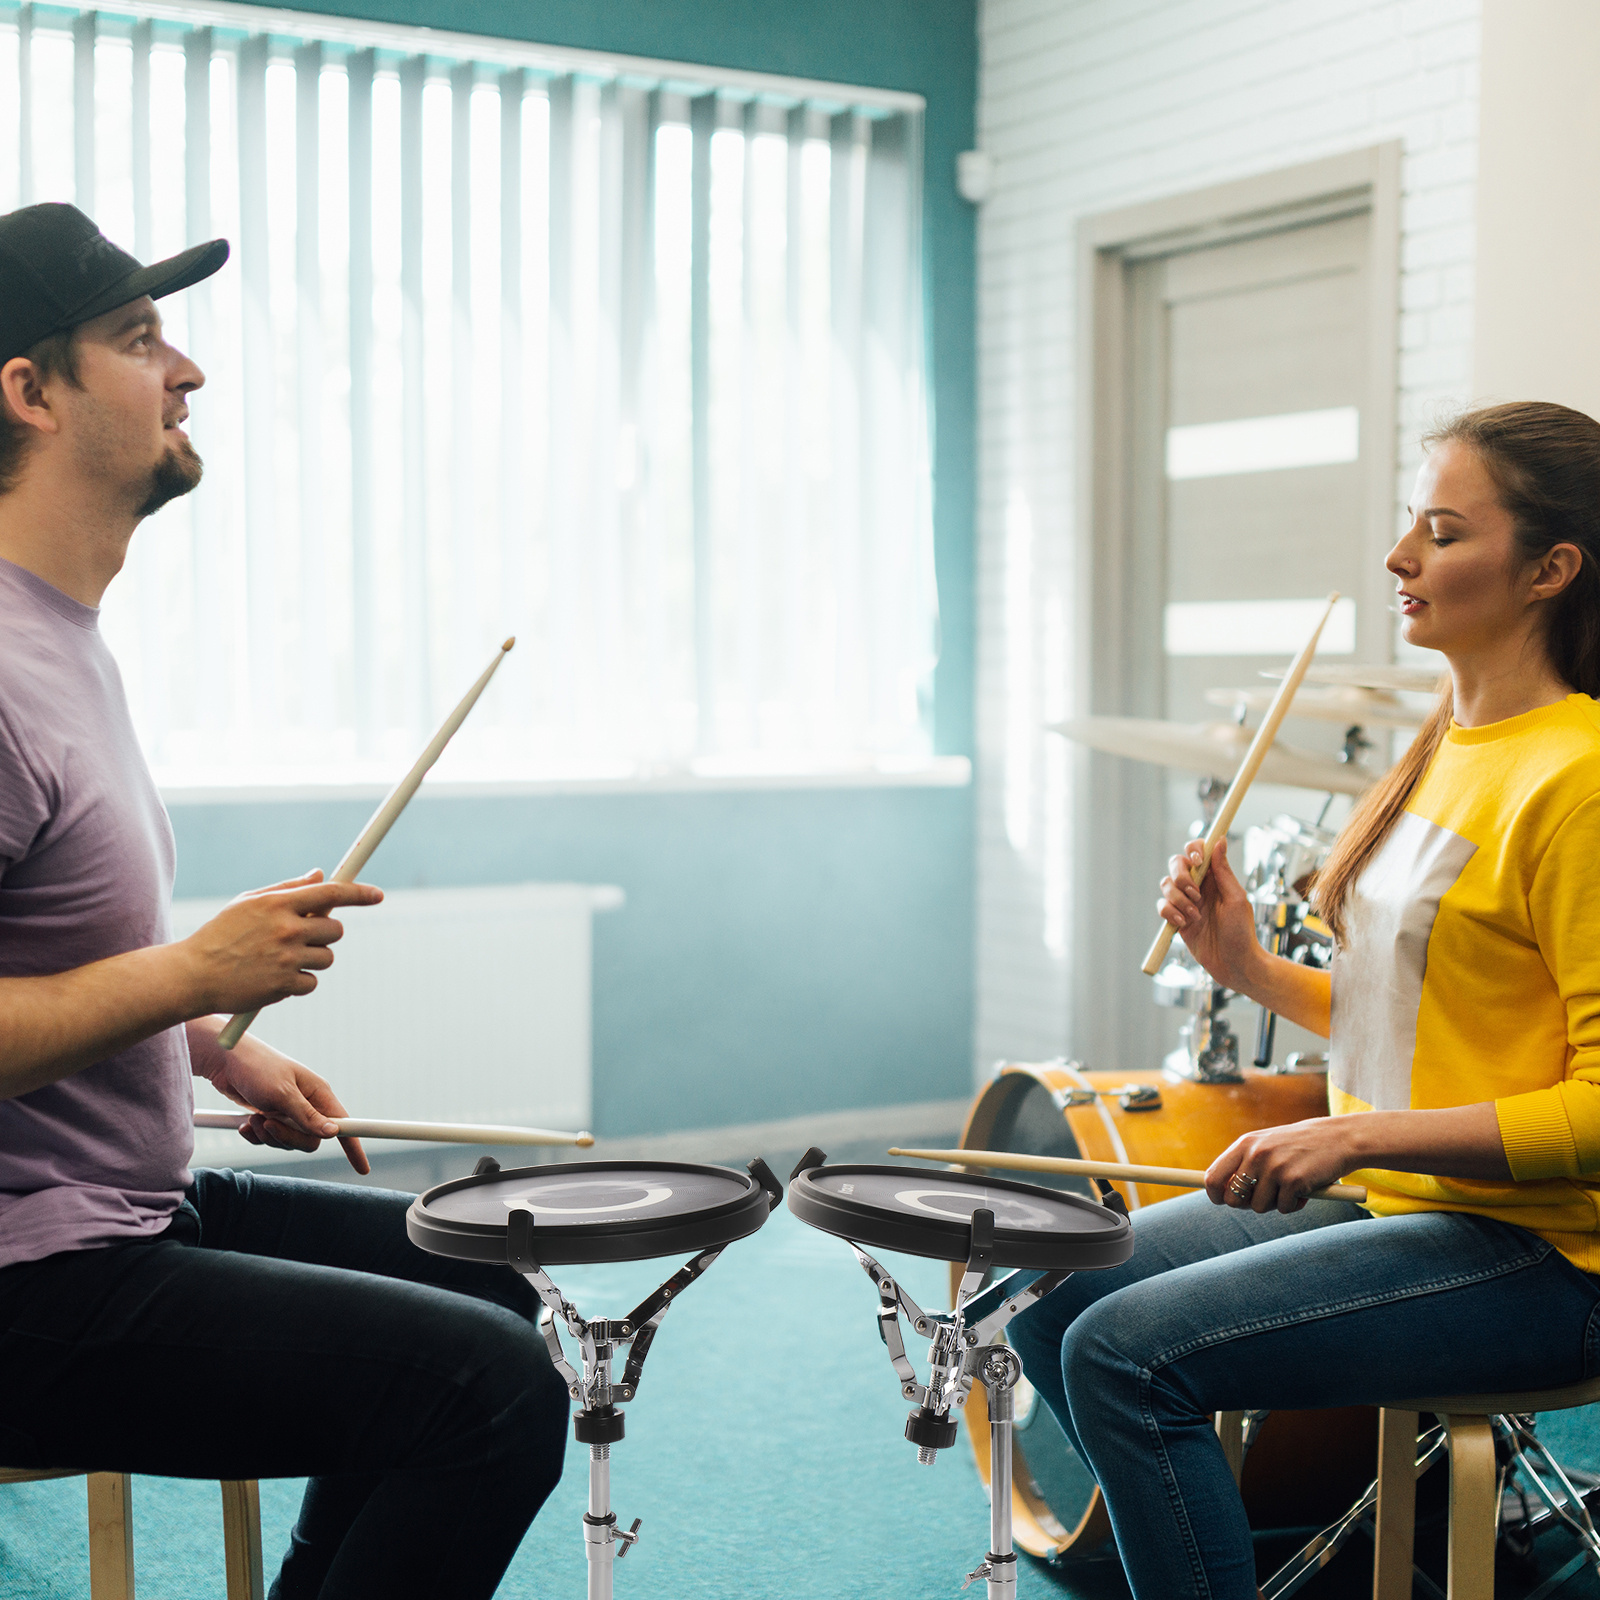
(622,358)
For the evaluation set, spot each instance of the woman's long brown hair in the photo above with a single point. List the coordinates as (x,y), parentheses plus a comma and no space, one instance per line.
(1545,462)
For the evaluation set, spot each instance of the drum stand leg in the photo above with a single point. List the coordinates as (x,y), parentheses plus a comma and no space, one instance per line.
(999,1369)
(599,1424)
(962,1353)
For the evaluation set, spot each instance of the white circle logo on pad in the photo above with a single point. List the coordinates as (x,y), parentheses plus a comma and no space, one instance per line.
(1009,1212)
(536,1198)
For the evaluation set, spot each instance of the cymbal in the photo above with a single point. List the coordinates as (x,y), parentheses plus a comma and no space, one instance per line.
(1411,679)
(1370,707)
(1211,749)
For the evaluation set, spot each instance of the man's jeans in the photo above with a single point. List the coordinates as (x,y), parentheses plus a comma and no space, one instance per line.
(285,1328)
(1224,1310)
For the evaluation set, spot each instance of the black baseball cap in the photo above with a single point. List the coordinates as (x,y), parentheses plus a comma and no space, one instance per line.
(57,269)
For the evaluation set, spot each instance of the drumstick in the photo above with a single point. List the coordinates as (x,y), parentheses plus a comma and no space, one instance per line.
(371,836)
(434,1132)
(1243,778)
(1172,1177)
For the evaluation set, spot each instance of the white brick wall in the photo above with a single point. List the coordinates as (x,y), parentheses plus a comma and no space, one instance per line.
(1090,105)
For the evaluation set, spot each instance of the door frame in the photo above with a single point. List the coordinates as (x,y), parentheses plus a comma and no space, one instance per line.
(1120,675)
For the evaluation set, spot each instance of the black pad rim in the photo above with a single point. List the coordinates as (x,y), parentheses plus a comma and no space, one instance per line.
(587,1244)
(950,1240)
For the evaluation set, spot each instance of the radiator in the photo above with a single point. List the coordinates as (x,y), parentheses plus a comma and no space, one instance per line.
(443,1005)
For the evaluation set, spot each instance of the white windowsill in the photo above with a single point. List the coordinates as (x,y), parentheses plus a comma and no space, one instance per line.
(940,772)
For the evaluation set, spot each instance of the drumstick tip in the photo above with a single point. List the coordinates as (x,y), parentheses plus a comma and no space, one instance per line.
(584,1140)
(509,642)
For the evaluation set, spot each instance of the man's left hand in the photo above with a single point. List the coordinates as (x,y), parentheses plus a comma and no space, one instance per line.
(290,1104)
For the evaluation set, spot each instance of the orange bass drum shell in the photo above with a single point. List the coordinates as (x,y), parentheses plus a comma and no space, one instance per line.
(1304,1467)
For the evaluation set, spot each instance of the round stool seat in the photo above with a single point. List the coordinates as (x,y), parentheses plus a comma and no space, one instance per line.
(1495,1405)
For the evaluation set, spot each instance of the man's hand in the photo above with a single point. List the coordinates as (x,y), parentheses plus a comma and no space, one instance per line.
(290,1102)
(266,945)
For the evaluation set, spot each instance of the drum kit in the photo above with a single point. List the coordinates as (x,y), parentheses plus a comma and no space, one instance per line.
(1100,1144)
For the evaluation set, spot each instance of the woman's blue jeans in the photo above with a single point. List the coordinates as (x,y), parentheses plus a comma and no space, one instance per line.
(1224,1310)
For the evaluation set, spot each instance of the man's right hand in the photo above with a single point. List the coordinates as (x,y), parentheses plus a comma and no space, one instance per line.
(268,943)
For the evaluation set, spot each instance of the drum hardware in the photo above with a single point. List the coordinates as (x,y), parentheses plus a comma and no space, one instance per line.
(534,1217)
(1043,1235)
(1280,861)
(1130,1096)
(1307,1061)
(1209,1051)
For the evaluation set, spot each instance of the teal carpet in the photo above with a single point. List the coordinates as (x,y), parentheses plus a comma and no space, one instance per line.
(764,1453)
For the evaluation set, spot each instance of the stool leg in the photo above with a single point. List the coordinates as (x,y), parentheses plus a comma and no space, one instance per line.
(110,1536)
(1230,1430)
(241,1538)
(1395,1533)
(1472,1509)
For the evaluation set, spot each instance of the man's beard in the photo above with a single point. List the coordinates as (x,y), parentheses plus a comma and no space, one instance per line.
(177,472)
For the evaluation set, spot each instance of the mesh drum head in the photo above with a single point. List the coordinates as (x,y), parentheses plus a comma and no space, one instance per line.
(927,1212)
(590,1211)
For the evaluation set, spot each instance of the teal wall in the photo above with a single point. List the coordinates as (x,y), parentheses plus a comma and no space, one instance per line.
(779,952)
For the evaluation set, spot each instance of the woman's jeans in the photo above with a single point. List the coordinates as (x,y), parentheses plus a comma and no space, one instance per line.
(286,1328)
(1224,1310)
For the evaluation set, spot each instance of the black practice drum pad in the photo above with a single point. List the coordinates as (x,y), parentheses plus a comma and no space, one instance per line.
(928,1212)
(591,1211)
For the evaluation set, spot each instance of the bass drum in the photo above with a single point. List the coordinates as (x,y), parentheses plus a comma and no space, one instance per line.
(1304,1468)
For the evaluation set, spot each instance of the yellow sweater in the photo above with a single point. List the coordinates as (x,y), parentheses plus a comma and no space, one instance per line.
(1470,971)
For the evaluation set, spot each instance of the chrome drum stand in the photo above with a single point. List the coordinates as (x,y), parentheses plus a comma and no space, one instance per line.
(1043,1235)
(590,1212)
(963,1351)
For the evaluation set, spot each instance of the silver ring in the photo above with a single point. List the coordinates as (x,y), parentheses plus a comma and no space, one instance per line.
(1242,1185)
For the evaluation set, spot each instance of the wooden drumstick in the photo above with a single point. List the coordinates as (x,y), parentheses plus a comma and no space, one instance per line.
(1243,778)
(371,836)
(1171,1177)
(433,1132)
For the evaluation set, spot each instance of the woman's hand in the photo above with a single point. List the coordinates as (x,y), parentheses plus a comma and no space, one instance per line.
(1285,1163)
(1216,920)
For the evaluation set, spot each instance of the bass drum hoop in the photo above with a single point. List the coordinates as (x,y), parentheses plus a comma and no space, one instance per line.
(569,1244)
(1237,1107)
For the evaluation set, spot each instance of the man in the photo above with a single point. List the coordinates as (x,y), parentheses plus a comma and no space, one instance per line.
(208,1324)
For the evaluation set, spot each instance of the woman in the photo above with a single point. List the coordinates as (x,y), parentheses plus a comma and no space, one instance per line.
(1463,1013)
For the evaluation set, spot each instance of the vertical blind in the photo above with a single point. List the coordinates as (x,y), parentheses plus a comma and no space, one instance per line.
(623,358)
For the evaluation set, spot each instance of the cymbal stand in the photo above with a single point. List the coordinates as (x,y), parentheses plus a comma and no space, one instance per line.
(600,1423)
(1272,908)
(964,1350)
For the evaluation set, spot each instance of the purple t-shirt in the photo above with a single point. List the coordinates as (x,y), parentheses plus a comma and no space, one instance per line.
(86,865)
